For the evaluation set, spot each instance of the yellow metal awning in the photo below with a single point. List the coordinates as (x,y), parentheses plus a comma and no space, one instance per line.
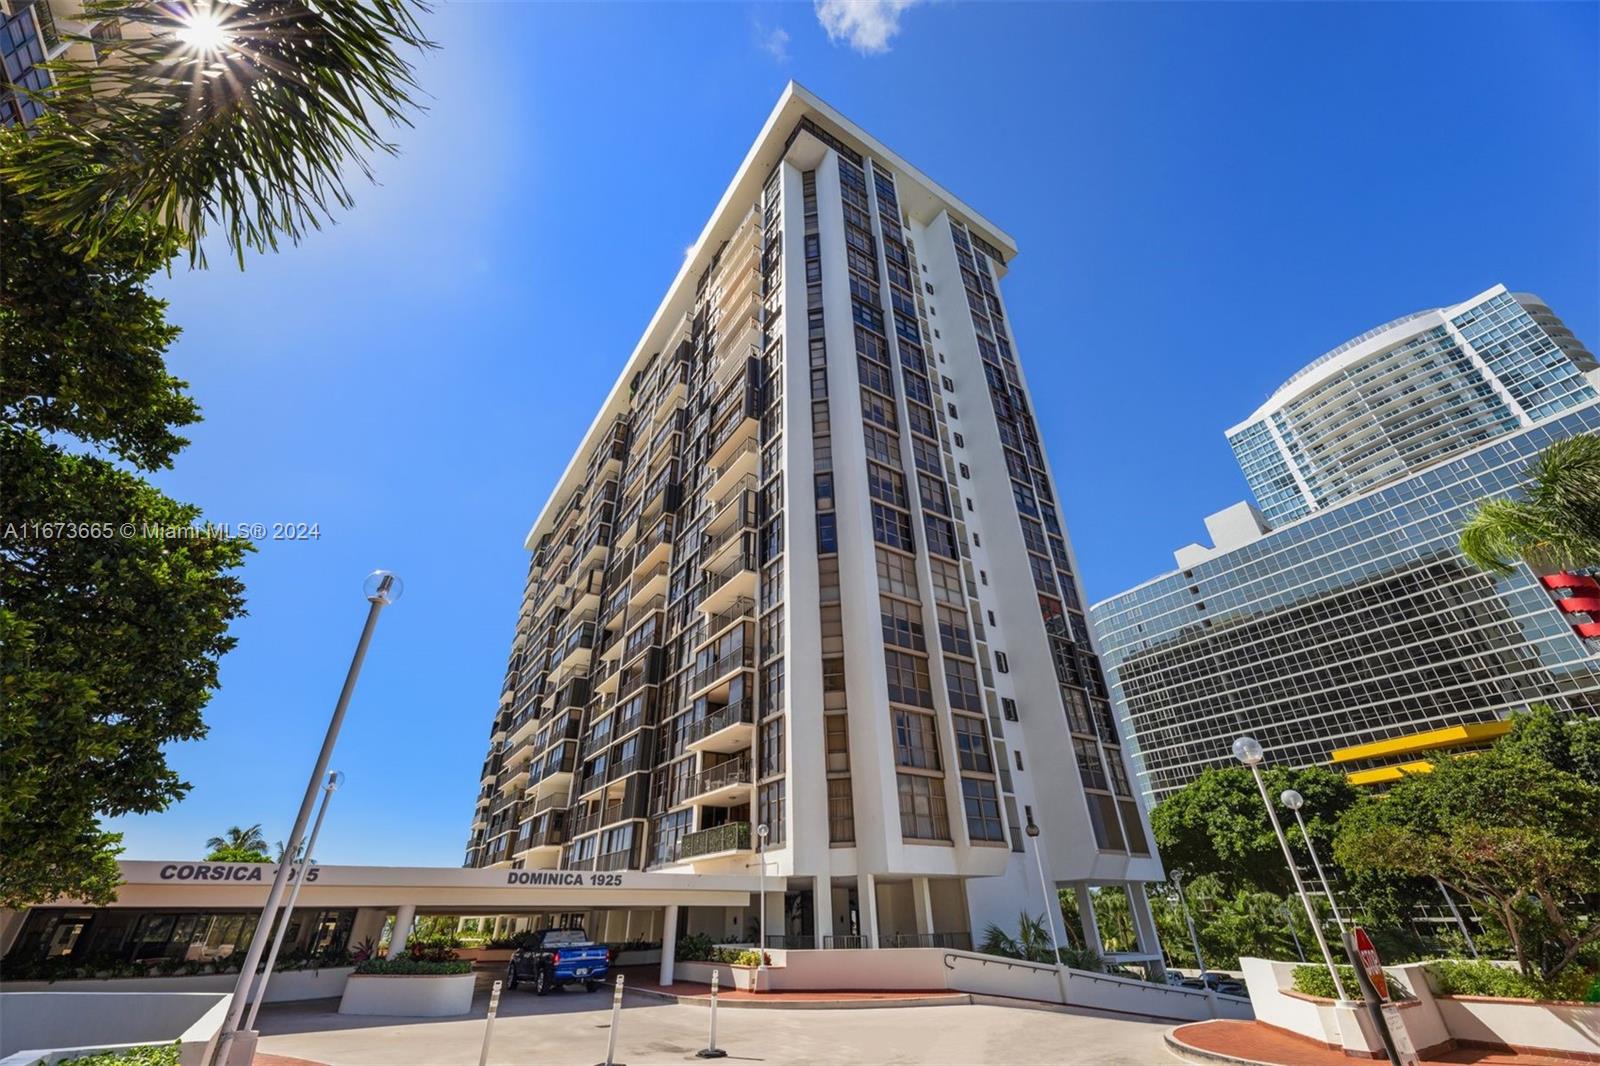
(1382,775)
(1451,737)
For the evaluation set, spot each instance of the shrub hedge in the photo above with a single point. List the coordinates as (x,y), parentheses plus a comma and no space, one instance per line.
(413,967)
(149,1055)
(1479,977)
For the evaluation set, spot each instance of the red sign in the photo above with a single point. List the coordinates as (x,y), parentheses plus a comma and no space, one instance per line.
(1370,962)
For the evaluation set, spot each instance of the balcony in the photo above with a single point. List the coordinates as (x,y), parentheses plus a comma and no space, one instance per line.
(726,784)
(724,730)
(709,843)
(715,547)
(736,581)
(738,503)
(740,462)
(711,680)
(648,583)
(732,431)
(654,546)
(626,859)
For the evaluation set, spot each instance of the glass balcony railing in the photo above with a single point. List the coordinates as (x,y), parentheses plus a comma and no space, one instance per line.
(733,714)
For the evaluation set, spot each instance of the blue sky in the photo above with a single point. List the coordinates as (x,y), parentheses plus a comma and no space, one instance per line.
(1206,197)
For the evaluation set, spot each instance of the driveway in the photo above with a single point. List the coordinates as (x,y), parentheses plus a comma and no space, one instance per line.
(571,1029)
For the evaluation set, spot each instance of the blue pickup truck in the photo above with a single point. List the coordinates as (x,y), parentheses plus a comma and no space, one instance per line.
(554,958)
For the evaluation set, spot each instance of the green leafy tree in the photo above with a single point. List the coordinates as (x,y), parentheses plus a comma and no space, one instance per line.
(1216,825)
(1032,941)
(1513,834)
(1571,743)
(1554,526)
(248,115)
(247,838)
(109,634)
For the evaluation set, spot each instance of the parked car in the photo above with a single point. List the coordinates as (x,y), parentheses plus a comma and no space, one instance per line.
(1217,982)
(554,958)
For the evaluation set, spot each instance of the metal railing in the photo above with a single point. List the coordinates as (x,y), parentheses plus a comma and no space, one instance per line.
(740,711)
(732,772)
(844,941)
(741,659)
(961,941)
(745,562)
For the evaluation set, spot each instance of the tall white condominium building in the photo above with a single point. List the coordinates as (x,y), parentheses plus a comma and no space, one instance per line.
(1404,396)
(807,571)
(1353,633)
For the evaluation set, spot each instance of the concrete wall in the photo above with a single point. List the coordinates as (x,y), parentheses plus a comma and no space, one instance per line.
(409,997)
(76,1023)
(285,987)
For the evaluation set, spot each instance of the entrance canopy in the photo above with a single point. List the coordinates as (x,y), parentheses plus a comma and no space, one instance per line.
(428,888)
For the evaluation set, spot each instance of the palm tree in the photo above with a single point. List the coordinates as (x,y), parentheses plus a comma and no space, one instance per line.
(1555,526)
(244,114)
(236,839)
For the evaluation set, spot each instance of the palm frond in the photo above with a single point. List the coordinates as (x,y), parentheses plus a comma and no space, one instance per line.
(1555,526)
(253,135)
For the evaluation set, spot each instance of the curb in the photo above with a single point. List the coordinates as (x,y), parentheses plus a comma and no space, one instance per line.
(954,1000)
(1190,1053)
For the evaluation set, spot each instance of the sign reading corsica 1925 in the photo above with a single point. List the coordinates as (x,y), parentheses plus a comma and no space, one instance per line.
(201,871)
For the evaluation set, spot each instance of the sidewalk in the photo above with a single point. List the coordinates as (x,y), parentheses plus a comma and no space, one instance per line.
(643,982)
(1255,1042)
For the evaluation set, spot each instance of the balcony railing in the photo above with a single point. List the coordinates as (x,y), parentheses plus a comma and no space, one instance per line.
(735,713)
(733,836)
(626,859)
(740,658)
(844,941)
(744,562)
(732,772)
(961,941)
(742,607)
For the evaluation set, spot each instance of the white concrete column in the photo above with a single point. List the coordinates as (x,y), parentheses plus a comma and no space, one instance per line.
(669,943)
(1091,929)
(922,904)
(1144,926)
(404,917)
(822,907)
(867,903)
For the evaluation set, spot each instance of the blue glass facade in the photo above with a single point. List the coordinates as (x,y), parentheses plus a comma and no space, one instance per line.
(1358,623)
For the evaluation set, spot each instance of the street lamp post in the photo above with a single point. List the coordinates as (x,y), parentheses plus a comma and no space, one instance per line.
(335,779)
(1288,920)
(1183,905)
(382,588)
(1249,752)
(761,917)
(1052,907)
(1294,801)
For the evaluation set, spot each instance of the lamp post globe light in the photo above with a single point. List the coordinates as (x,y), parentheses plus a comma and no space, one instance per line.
(1248,751)
(335,779)
(1294,801)
(381,588)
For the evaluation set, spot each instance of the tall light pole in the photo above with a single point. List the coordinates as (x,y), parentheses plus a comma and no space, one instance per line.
(335,779)
(1052,907)
(761,916)
(1183,905)
(1249,752)
(382,588)
(1294,801)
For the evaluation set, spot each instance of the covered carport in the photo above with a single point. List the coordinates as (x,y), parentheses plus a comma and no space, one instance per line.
(651,900)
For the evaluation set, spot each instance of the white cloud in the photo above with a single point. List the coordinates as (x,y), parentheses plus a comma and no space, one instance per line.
(775,43)
(866,24)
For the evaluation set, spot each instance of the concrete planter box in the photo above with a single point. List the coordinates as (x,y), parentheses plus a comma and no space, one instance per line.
(1524,1024)
(486,957)
(751,979)
(54,1026)
(408,996)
